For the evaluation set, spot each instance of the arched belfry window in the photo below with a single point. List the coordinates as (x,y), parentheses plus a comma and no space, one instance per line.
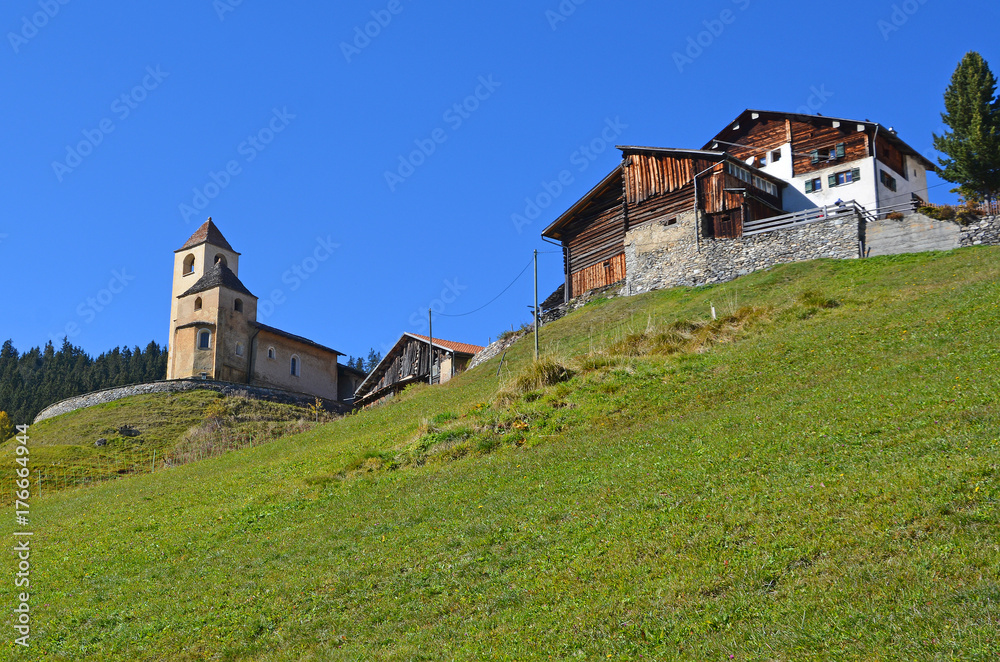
(238,305)
(295,366)
(221,258)
(270,353)
(197,303)
(189,265)
(204,339)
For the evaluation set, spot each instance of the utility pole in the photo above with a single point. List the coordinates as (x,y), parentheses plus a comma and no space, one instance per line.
(430,336)
(535,311)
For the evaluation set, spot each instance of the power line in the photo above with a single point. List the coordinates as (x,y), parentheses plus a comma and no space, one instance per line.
(472,312)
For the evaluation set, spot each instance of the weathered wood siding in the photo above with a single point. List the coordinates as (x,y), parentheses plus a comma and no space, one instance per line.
(599,275)
(597,233)
(808,137)
(892,157)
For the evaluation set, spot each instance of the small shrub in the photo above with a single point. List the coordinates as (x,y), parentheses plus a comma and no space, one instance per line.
(895,216)
(814,299)
(539,374)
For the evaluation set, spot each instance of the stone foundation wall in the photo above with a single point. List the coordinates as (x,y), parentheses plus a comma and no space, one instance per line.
(984,233)
(659,256)
(179,385)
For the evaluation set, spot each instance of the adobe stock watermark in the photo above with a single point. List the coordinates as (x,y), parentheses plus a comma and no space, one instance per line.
(88,309)
(455,117)
(296,275)
(817,99)
(699,43)
(365,34)
(899,17)
(579,160)
(37,21)
(450,293)
(249,149)
(562,13)
(122,107)
(223,7)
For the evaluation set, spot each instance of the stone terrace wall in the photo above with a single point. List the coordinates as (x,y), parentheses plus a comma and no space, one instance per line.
(984,233)
(179,385)
(659,256)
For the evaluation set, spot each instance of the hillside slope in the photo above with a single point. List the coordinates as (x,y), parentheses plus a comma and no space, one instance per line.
(814,476)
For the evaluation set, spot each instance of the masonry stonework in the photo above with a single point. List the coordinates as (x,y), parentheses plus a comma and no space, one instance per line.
(659,256)
(180,385)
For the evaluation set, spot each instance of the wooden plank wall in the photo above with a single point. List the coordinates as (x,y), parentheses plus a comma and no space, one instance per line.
(889,155)
(598,232)
(759,140)
(599,275)
(807,137)
(652,175)
(411,360)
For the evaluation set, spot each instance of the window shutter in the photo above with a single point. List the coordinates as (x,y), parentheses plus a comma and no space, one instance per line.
(841,150)
(831,180)
(809,186)
(856,175)
(814,155)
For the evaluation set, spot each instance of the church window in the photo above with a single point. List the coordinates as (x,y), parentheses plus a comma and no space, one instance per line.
(197,303)
(270,353)
(239,349)
(189,265)
(204,339)
(238,305)
(221,258)
(295,366)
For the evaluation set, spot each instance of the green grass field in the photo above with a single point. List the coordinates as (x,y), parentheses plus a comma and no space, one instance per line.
(812,477)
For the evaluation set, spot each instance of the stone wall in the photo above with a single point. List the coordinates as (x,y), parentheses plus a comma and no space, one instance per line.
(659,256)
(179,385)
(984,233)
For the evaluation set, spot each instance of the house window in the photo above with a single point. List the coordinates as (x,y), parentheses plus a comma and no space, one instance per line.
(238,305)
(295,366)
(239,349)
(204,339)
(189,265)
(762,161)
(814,156)
(197,303)
(844,178)
(813,185)
(887,180)
(775,156)
(270,353)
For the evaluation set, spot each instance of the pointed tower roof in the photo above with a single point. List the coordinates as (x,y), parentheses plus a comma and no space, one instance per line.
(218,276)
(207,233)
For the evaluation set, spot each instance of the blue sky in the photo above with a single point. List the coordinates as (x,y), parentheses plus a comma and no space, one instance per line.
(281,121)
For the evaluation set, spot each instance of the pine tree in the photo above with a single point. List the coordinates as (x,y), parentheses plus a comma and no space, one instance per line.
(373,360)
(972,147)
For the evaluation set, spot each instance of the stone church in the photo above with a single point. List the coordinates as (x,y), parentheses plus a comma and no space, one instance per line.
(215,335)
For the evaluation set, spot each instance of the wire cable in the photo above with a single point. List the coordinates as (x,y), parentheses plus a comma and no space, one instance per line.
(472,312)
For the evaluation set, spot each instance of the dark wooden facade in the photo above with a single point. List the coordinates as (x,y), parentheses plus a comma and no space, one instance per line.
(409,362)
(812,137)
(656,185)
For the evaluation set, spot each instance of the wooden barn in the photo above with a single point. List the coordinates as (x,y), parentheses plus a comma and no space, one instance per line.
(410,362)
(658,184)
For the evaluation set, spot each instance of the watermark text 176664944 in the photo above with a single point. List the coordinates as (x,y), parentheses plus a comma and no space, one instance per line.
(22,538)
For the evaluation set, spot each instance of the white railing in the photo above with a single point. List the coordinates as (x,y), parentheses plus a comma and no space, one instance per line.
(828,212)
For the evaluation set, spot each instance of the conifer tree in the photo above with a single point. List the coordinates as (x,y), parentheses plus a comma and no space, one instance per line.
(972,147)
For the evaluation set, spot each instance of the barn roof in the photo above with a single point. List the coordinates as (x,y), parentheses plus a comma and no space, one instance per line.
(207,233)
(459,347)
(218,276)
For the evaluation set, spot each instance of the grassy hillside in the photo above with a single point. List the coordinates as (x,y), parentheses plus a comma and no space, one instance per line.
(813,476)
(147,432)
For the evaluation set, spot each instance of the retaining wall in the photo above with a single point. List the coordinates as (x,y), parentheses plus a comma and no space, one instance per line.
(179,385)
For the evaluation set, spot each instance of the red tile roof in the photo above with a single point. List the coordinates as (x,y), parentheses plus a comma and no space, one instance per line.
(460,347)
(206,233)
